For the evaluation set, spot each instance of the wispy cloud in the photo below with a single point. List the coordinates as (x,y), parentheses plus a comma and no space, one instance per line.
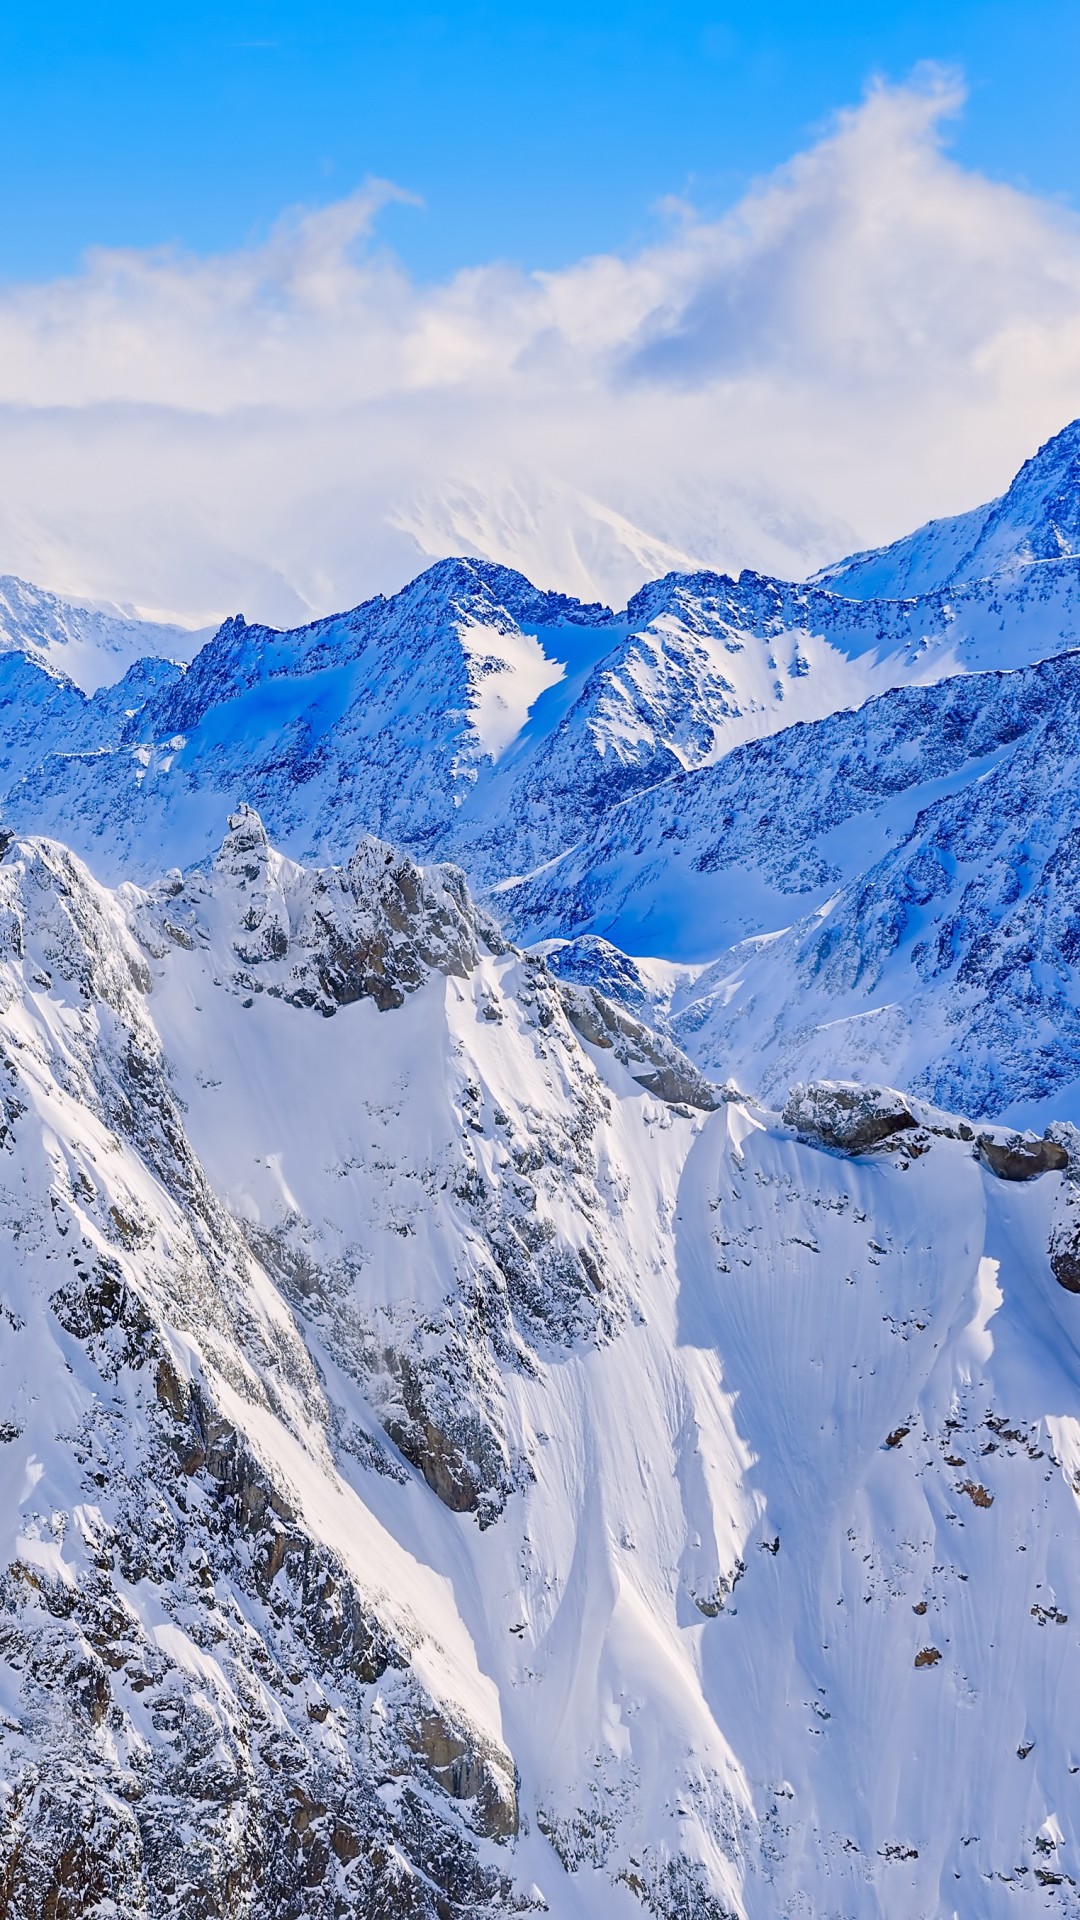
(872,335)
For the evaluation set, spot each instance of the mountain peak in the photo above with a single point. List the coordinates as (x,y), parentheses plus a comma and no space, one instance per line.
(510,590)
(1036,518)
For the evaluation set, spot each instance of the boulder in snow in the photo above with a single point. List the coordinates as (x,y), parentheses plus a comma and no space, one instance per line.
(846,1117)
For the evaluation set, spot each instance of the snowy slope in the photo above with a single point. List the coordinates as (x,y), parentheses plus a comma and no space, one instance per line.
(894,891)
(793,1640)
(921,562)
(948,965)
(93,646)
(1037,519)
(775,827)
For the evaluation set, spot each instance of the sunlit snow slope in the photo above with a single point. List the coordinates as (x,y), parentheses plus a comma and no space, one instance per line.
(91,646)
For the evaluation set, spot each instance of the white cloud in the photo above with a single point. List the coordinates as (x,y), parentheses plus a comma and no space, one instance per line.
(872,336)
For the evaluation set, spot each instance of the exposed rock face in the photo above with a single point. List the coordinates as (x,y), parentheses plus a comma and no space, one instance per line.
(1065,1261)
(326,937)
(1064,1244)
(845,1117)
(1022,1157)
(467,1770)
(655,1063)
(416,921)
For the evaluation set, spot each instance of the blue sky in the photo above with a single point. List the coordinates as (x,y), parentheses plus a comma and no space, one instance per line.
(534,133)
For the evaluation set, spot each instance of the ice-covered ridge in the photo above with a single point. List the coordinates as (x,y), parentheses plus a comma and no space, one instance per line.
(1036,519)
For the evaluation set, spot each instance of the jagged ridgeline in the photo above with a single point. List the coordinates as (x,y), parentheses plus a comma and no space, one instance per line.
(538,1304)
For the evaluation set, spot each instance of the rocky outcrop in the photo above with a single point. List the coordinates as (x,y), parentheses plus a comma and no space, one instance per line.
(467,1769)
(321,937)
(386,927)
(1022,1156)
(1064,1245)
(1065,1261)
(655,1063)
(846,1117)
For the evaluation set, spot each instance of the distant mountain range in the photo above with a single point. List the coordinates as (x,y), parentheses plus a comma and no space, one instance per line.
(711,764)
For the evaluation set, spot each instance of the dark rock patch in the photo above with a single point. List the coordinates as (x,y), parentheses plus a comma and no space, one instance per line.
(846,1117)
(1021,1157)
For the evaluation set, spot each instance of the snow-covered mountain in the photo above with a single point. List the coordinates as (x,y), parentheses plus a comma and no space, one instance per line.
(891,892)
(1038,518)
(648,777)
(775,827)
(337,1578)
(92,646)
(949,962)
(475,717)
(539,1374)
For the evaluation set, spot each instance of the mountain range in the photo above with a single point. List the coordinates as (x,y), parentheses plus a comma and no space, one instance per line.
(539,1164)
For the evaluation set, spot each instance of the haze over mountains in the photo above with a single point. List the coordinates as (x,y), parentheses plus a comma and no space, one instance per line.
(358,1197)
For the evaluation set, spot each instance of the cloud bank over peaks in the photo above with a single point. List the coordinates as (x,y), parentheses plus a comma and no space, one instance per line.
(871,336)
